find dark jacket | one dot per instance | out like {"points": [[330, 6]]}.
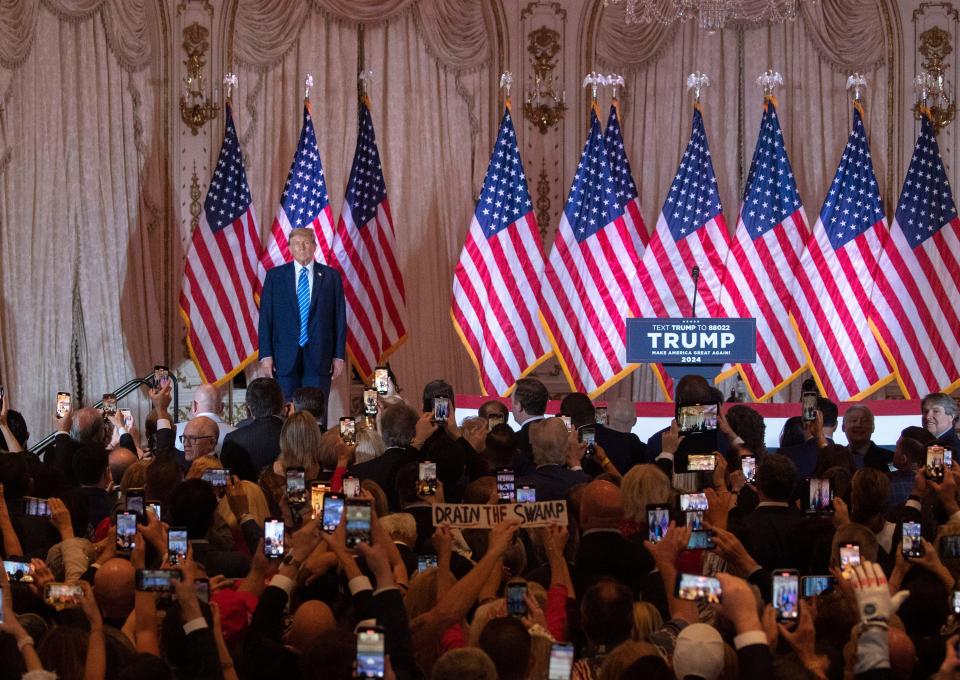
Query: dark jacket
{"points": [[553, 481], [383, 470], [249, 449]]}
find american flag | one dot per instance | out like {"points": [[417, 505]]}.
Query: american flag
{"points": [[623, 177], [494, 305], [364, 253], [691, 231], [764, 256], [835, 278], [220, 276], [916, 298], [591, 277], [304, 202]]}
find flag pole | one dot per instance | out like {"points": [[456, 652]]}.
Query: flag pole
{"points": [[856, 84], [768, 81], [615, 80], [696, 81], [594, 80], [506, 80]]}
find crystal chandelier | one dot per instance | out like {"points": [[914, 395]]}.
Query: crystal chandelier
{"points": [[711, 15]]}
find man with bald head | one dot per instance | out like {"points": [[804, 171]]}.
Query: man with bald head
{"points": [[603, 551], [114, 588], [207, 402]]}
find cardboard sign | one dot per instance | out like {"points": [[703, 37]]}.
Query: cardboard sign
{"points": [[463, 516]]}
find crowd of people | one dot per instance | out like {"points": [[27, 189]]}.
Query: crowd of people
{"points": [[146, 562]]}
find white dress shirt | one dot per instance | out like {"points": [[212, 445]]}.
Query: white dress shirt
{"points": [[297, 267]]}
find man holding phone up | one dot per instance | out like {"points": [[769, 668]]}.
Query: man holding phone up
{"points": [[303, 326]]}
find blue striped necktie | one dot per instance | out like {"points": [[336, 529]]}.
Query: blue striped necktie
{"points": [[303, 302]]}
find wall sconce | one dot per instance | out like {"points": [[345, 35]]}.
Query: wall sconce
{"points": [[196, 108], [931, 85], [543, 106]]}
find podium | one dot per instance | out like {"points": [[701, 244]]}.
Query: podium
{"points": [[692, 345]]}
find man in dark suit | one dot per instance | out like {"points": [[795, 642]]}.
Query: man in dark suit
{"points": [[624, 449], [817, 439], [939, 414], [858, 425], [303, 327], [553, 476], [528, 405], [398, 423], [254, 446]]}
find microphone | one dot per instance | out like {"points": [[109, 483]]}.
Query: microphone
{"points": [[695, 273]]}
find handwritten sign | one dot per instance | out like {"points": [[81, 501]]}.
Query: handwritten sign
{"points": [[463, 516]]}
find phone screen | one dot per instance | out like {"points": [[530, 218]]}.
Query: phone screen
{"points": [[658, 521], [567, 421], [441, 409], [820, 497], [126, 531], [20, 572], [157, 580], [161, 376], [296, 486], [358, 522], [217, 478], [527, 494], [814, 585], [273, 538], [425, 562], [427, 480], [109, 404], [950, 546], [63, 404], [348, 430], [154, 507], [36, 507], [588, 434], [935, 462], [381, 380], [202, 587], [786, 592], [561, 661], [62, 595], [700, 462], [911, 545], [700, 540], [351, 487], [317, 491], [332, 511], [693, 501], [600, 415], [808, 406], [697, 418], [695, 520], [516, 594], [135, 503], [370, 402], [849, 555], [695, 587], [176, 545], [955, 600], [506, 486], [370, 653], [748, 464]]}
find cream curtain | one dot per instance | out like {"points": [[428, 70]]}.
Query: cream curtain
{"points": [[814, 58], [81, 202]]}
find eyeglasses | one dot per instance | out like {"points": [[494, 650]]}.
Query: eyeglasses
{"points": [[190, 439]]}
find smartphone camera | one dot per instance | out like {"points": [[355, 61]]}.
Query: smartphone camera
{"points": [[62, 595], [587, 434], [849, 556], [296, 486], [911, 545], [748, 464], [819, 497], [370, 659], [63, 404], [527, 494], [950, 547], [109, 404], [317, 492], [697, 419], [600, 416], [381, 380], [516, 594], [441, 410], [701, 462], [126, 531], [217, 478], [935, 463], [358, 522], [370, 402], [506, 486], [786, 594], [658, 522], [561, 661], [427, 479], [693, 501], [332, 511], [18, 571], [161, 377], [812, 586], [808, 406], [955, 601], [694, 587], [701, 539], [351, 487], [425, 562], [157, 580], [177, 545], [273, 535], [348, 430]]}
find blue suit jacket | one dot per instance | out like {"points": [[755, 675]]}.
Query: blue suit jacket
{"points": [[280, 320]]}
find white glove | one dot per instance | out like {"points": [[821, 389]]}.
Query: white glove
{"points": [[874, 601]]}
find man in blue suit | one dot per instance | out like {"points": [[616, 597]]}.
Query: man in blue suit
{"points": [[303, 326]]}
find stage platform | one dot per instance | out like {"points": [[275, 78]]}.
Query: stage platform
{"points": [[892, 415]]}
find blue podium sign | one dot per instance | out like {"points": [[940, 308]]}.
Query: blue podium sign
{"points": [[692, 342]]}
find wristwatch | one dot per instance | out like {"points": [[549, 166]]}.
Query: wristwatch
{"points": [[291, 561]]}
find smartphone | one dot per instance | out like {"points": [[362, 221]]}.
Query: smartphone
{"points": [[348, 430], [600, 416], [516, 593], [381, 380], [955, 601], [701, 462], [332, 511], [36, 507], [693, 501], [786, 594], [63, 404], [370, 663], [19, 571], [748, 464], [811, 586], [658, 522], [527, 494], [695, 519], [217, 478], [296, 486], [493, 420], [947, 458], [950, 546], [127, 418], [701, 539], [567, 421], [157, 580], [317, 491], [427, 479], [126, 531], [441, 410], [506, 486], [351, 487], [587, 435], [561, 661], [425, 562], [819, 497], [62, 595], [176, 545], [2, 619], [935, 462], [370, 402], [911, 545], [161, 376], [808, 406], [273, 531], [694, 587], [358, 521], [154, 507], [697, 419], [849, 555], [202, 587], [135, 503], [109, 406]]}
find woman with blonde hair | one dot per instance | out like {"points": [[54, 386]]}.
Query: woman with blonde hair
{"points": [[299, 444], [643, 485]]}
